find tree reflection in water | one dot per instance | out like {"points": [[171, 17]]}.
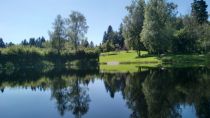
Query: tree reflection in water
{"points": [[71, 96], [160, 93], [151, 93], [69, 88]]}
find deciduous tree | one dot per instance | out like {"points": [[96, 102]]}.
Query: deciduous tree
{"points": [[57, 36], [133, 24], [76, 28], [154, 34]]}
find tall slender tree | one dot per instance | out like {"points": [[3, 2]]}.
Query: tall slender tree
{"points": [[32, 42], [109, 35], [91, 44], [109, 39], [84, 43], [2, 44], [154, 33], [76, 28], [121, 37], [24, 42], [199, 11], [104, 37], [58, 34], [133, 24]]}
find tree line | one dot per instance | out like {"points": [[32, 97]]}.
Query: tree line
{"points": [[4, 45], [39, 42], [68, 34], [112, 40], [156, 27], [67, 47]]}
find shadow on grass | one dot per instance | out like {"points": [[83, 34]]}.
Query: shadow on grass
{"points": [[128, 52], [147, 55], [109, 54]]}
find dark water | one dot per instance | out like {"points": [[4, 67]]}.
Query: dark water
{"points": [[150, 93]]}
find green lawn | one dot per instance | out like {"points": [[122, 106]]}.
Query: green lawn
{"points": [[129, 62], [127, 57], [124, 68]]}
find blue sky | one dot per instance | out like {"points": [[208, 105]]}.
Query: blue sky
{"points": [[22, 19]]}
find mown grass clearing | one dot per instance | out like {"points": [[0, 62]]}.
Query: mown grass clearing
{"points": [[123, 61], [127, 57]]}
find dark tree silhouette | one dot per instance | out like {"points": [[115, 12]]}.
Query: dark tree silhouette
{"points": [[199, 11]]}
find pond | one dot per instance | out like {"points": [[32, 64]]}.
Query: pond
{"points": [[148, 93]]}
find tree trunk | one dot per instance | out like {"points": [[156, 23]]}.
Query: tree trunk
{"points": [[139, 53]]}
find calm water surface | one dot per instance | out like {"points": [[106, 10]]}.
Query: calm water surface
{"points": [[150, 93]]}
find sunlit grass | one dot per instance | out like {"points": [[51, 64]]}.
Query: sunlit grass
{"points": [[129, 61], [127, 57], [126, 67]]}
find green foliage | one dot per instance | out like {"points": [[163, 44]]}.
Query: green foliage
{"points": [[121, 38], [199, 11], [204, 38], [2, 44], [186, 38], [24, 42], [47, 44], [17, 50], [46, 59], [9, 67], [84, 43], [133, 25], [34, 42], [57, 36], [192, 37], [154, 36], [10, 44], [76, 28], [108, 46], [185, 41], [108, 35], [68, 34], [112, 40]]}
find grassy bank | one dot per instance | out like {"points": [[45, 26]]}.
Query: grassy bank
{"points": [[127, 57], [120, 68], [33, 57], [129, 61]]}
